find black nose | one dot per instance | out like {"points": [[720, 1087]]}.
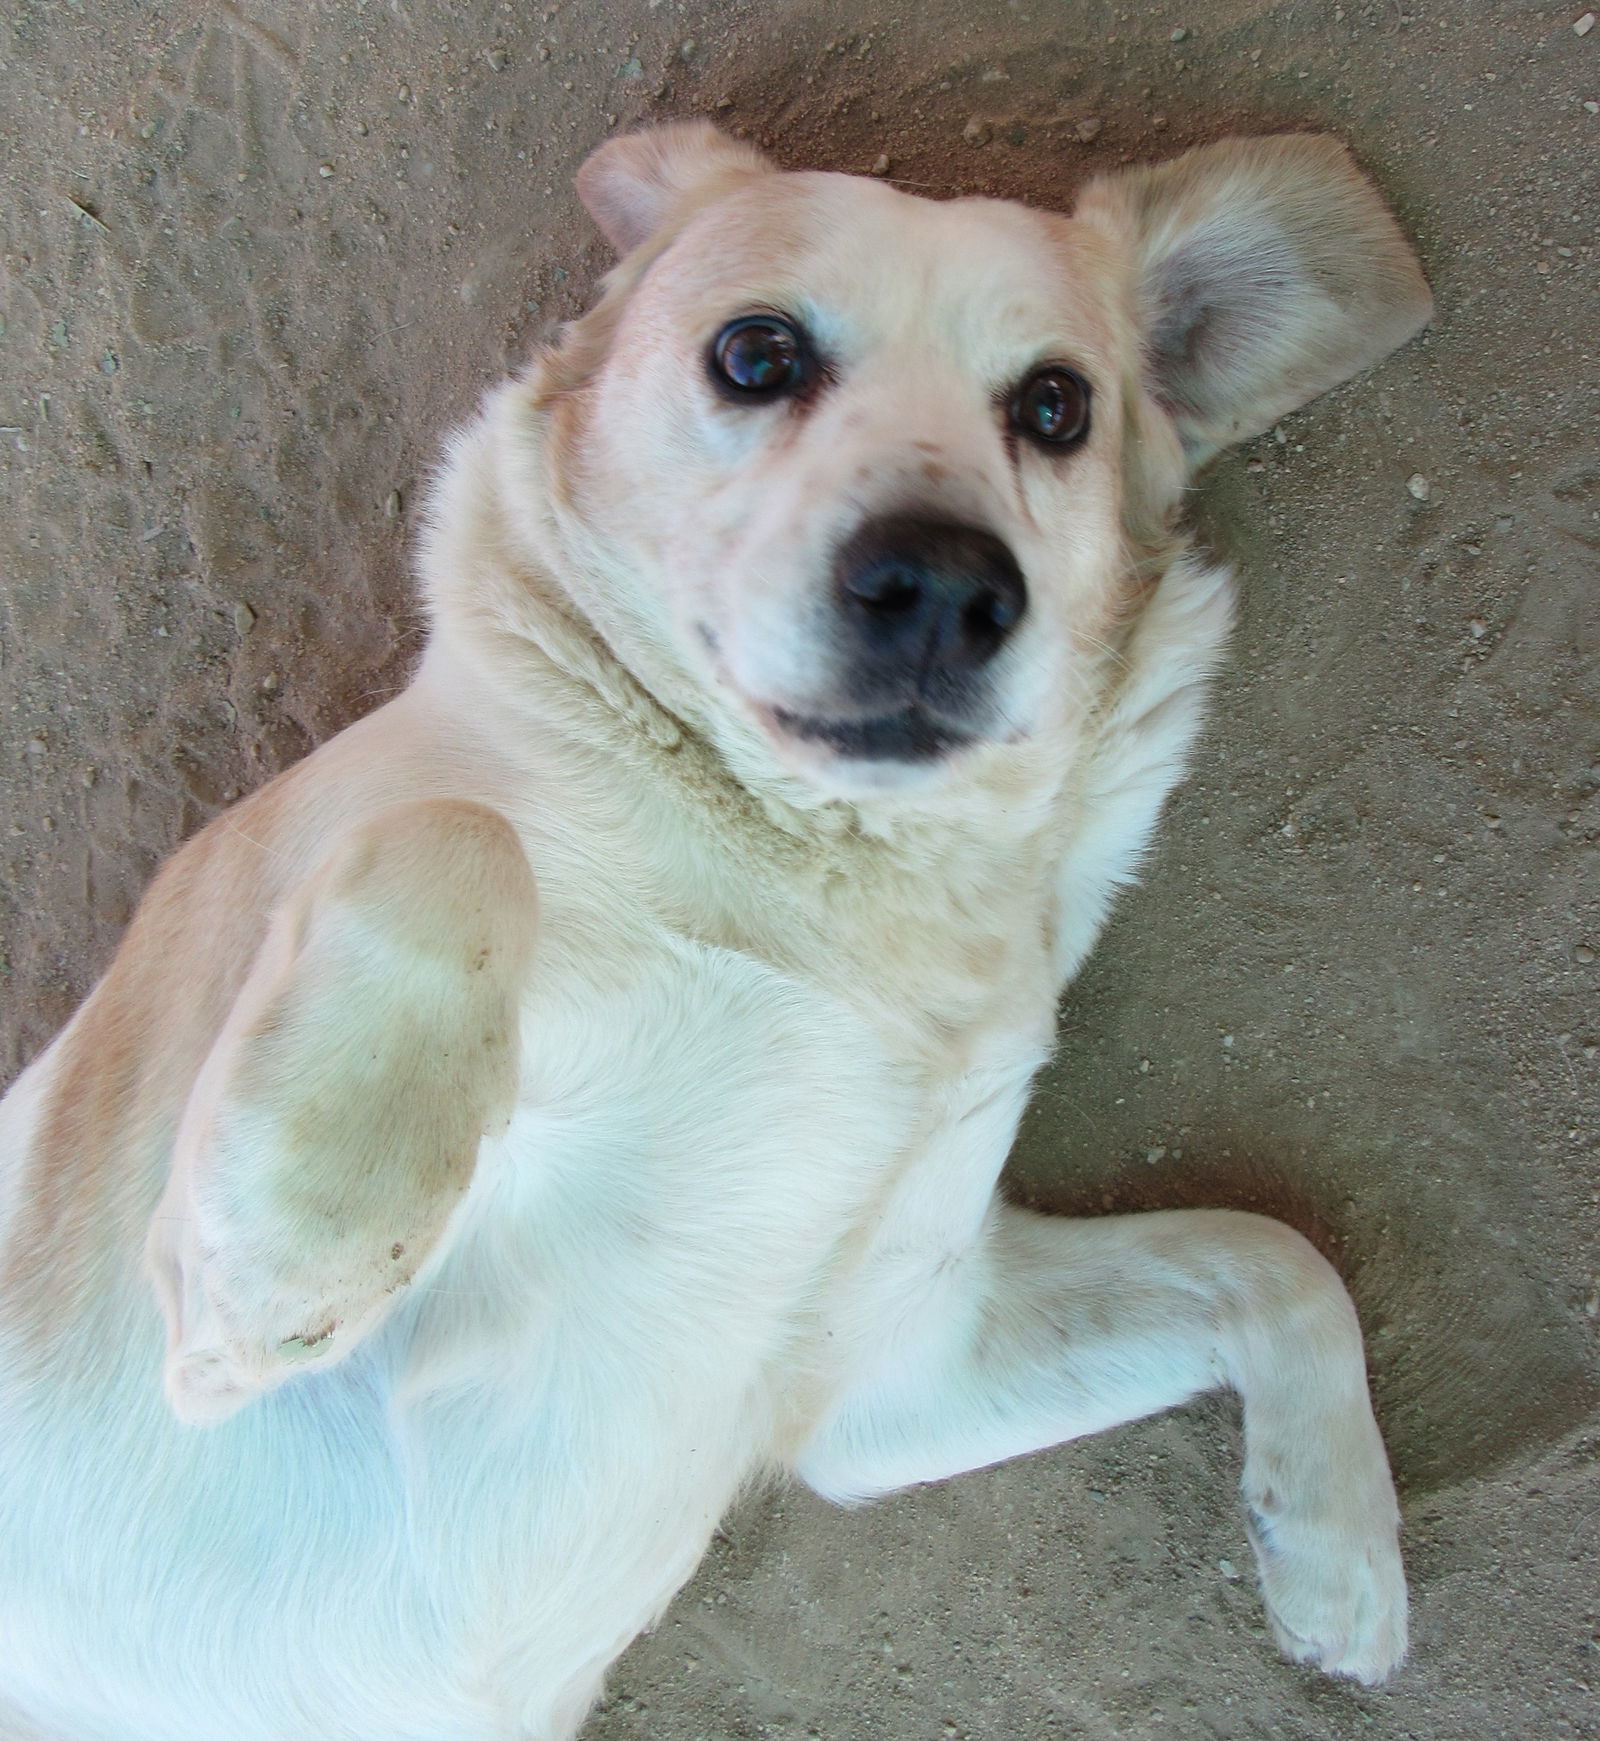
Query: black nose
{"points": [[929, 601]]}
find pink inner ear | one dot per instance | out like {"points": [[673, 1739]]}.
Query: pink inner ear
{"points": [[626, 210], [631, 186]]}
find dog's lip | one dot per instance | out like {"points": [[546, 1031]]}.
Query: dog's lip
{"points": [[908, 735]]}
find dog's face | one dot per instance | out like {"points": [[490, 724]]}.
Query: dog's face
{"points": [[883, 475], [864, 449]]}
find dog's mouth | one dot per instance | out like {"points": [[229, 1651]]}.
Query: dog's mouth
{"points": [[869, 749], [910, 735]]}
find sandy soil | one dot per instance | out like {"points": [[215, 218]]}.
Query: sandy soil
{"points": [[258, 258]]}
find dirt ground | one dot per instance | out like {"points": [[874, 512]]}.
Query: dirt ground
{"points": [[258, 258]]}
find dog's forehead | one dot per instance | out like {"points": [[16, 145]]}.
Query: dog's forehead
{"points": [[867, 265]]}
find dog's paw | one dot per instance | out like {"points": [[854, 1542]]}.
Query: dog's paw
{"points": [[1335, 1589]]}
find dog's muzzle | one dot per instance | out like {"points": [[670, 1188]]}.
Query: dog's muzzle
{"points": [[920, 610]]}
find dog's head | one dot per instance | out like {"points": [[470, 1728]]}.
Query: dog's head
{"points": [[875, 478]]}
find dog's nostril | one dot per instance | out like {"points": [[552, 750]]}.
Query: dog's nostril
{"points": [[885, 587], [995, 610]]}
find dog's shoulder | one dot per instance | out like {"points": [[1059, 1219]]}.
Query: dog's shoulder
{"points": [[87, 1131]]}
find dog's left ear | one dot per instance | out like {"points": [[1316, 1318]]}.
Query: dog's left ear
{"points": [[634, 185], [1267, 270]]}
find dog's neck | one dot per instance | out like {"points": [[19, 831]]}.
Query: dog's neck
{"points": [[807, 883]]}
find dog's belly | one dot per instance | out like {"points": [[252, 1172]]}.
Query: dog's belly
{"points": [[717, 1180], [450, 1536]]}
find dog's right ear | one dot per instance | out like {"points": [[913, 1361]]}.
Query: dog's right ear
{"points": [[633, 185], [1267, 271]]}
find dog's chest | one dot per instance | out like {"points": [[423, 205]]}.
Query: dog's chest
{"points": [[713, 1145]]}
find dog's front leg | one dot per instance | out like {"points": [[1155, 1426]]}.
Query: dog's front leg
{"points": [[1049, 1329], [336, 1123]]}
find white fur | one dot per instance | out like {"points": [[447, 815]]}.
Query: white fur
{"points": [[773, 1031]]}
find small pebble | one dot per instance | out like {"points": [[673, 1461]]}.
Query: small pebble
{"points": [[324, 170], [1593, 108], [1228, 1569], [404, 93], [244, 619], [686, 48], [1419, 486], [1582, 26], [1583, 955], [1090, 128], [497, 59], [1477, 628], [881, 164], [1179, 35], [391, 505], [977, 132]]}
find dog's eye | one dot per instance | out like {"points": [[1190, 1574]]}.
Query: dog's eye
{"points": [[1052, 407], [759, 357]]}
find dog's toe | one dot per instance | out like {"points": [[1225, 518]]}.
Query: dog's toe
{"points": [[1337, 1600]]}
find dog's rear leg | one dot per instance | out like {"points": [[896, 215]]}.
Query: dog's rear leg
{"points": [[1049, 1329], [336, 1123]]}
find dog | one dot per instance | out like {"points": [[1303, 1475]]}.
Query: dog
{"points": [[578, 1090]]}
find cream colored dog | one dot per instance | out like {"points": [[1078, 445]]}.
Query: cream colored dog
{"points": [[579, 1089]]}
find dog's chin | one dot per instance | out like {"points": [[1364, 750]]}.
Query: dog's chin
{"points": [[902, 752]]}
